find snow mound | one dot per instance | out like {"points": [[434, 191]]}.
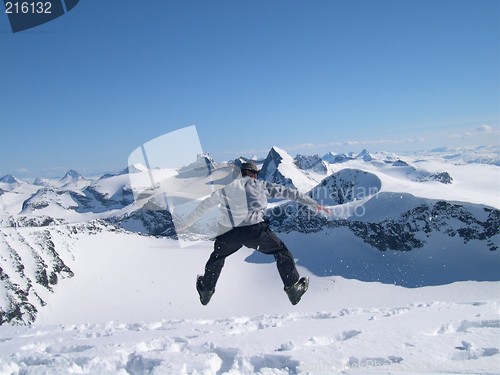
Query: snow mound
{"points": [[346, 185]]}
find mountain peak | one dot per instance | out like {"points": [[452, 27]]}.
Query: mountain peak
{"points": [[279, 167], [337, 158], [39, 181], [278, 151], [9, 179], [365, 155], [72, 174], [134, 168], [72, 179]]}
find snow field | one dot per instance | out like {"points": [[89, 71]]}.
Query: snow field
{"points": [[474, 183], [419, 338], [142, 278], [132, 308]]}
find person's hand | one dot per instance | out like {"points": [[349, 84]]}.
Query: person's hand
{"points": [[320, 208]]}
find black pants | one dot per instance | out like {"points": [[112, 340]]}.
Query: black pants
{"points": [[259, 237]]}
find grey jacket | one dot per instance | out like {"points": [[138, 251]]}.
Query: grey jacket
{"points": [[244, 201]]}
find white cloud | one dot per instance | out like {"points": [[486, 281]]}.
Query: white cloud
{"points": [[484, 128]]}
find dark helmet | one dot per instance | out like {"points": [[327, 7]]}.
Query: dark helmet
{"points": [[250, 167]]}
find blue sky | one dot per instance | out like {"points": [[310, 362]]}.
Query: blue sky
{"points": [[86, 89]]}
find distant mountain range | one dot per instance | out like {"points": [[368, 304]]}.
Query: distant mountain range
{"points": [[388, 202]]}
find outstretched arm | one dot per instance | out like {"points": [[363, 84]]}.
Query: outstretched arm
{"points": [[280, 191]]}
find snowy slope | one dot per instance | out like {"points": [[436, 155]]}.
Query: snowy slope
{"points": [[13, 195], [137, 322]]}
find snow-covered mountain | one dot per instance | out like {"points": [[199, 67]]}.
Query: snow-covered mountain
{"points": [[417, 221], [311, 163], [9, 179], [346, 185], [279, 167], [73, 180]]}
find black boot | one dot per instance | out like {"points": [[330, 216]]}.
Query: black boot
{"points": [[296, 290], [205, 295]]}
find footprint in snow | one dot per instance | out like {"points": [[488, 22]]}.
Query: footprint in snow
{"points": [[286, 346], [346, 335], [465, 325], [320, 341], [467, 351], [69, 349]]}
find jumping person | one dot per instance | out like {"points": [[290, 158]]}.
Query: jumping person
{"points": [[250, 230]]}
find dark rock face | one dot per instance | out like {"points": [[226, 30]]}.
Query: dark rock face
{"points": [[407, 232], [147, 220], [346, 185], [270, 172], [313, 163], [22, 297]]}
